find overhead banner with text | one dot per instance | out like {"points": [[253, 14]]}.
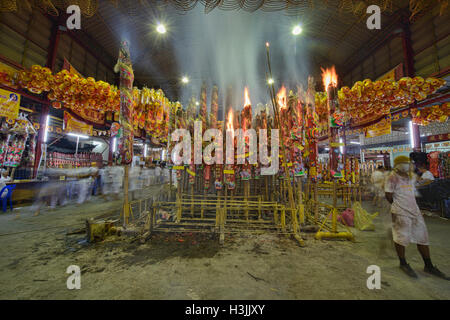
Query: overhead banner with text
{"points": [[4, 68], [394, 74], [93, 116], [73, 125], [9, 104], [380, 128]]}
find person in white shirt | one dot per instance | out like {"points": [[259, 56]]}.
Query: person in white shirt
{"points": [[426, 176], [377, 180], [3, 179], [158, 174], [408, 225]]}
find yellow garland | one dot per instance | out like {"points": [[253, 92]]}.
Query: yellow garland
{"points": [[436, 113], [151, 107], [367, 100]]}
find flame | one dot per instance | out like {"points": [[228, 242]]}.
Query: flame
{"points": [[329, 77], [230, 121], [281, 98], [247, 101]]}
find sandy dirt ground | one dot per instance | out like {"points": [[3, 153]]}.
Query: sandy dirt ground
{"points": [[35, 253]]}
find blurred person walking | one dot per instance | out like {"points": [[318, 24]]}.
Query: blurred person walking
{"points": [[408, 225]]}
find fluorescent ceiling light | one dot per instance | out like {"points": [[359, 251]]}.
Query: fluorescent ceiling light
{"points": [[46, 128], [411, 135], [77, 135], [114, 144]]}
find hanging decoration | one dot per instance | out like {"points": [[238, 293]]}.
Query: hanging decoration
{"points": [[367, 100], [125, 68], [436, 113], [91, 99]]}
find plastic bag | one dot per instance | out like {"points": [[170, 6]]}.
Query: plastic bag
{"points": [[363, 220], [347, 217]]}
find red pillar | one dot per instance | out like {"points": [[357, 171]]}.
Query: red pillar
{"points": [[40, 139], [53, 47], [408, 53], [110, 153], [408, 58], [51, 59]]}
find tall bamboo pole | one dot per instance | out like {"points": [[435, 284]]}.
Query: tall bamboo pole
{"points": [[278, 124], [125, 68]]}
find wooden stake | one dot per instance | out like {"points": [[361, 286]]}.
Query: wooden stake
{"points": [[316, 205], [170, 184], [126, 203]]}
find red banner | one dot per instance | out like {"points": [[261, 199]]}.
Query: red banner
{"points": [[91, 115], [67, 66], [439, 137]]}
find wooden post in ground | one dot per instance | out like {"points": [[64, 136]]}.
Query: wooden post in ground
{"points": [[266, 182], [246, 194], [192, 199], [316, 204], [126, 203], [259, 207], [334, 193], [300, 201], [170, 184], [334, 212]]}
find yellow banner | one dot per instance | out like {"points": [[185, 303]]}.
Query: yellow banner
{"points": [[7, 69], [190, 172], [380, 128], [9, 104], [336, 144], [178, 168], [76, 126], [388, 76], [228, 171]]}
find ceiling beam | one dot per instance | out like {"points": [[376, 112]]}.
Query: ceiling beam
{"points": [[368, 48]]}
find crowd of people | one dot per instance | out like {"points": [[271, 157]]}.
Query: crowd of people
{"points": [[76, 186]]}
